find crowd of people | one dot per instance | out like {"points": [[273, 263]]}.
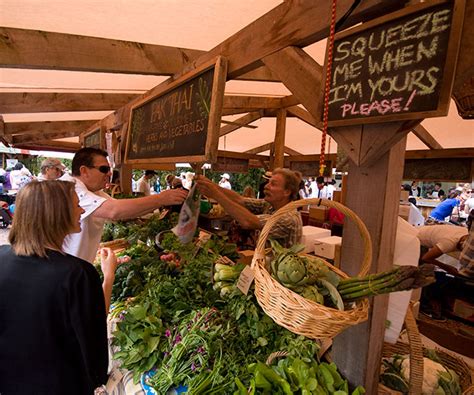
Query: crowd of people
{"points": [[52, 302]]}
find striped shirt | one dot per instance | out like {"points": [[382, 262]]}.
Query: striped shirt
{"points": [[287, 231], [467, 256]]}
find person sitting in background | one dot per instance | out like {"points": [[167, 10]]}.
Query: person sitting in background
{"points": [[53, 309], [445, 208], [441, 239], [51, 169], [437, 192], [143, 183], [281, 189]]}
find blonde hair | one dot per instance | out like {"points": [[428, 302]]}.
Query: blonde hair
{"points": [[43, 217], [292, 181]]}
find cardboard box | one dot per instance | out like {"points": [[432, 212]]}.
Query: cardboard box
{"points": [[319, 213], [245, 256], [404, 211], [327, 246], [337, 196], [310, 234], [404, 196]]}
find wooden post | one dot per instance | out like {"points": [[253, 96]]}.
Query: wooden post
{"points": [[373, 192], [126, 179], [279, 146]]}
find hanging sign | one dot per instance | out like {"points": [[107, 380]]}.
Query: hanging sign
{"points": [[232, 165], [180, 120], [93, 139], [397, 67]]}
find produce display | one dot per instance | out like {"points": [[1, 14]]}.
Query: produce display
{"points": [[182, 320], [311, 278], [437, 379]]}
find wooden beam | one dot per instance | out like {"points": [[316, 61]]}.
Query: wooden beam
{"points": [[16, 103], [444, 153], [357, 350], [294, 22], [241, 155], [289, 101], [262, 148], [252, 102], [365, 144], [290, 151], [305, 116], [6, 140], [35, 49], [279, 146], [63, 146], [238, 124], [15, 128], [301, 74], [426, 137], [245, 120], [36, 137], [300, 23]]}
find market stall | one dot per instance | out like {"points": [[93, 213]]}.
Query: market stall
{"points": [[375, 146]]}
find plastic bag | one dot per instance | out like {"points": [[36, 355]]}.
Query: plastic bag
{"points": [[188, 216]]}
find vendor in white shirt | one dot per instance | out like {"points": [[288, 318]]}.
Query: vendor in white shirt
{"points": [[91, 172], [439, 240], [143, 183], [321, 190]]}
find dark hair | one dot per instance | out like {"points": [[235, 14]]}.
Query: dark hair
{"points": [[454, 194], [18, 166], [407, 187], [320, 180], [85, 157], [150, 172], [438, 183]]}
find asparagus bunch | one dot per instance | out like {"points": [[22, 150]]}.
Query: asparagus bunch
{"points": [[400, 278]]}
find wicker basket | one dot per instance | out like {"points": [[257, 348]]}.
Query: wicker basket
{"points": [[416, 351], [291, 310]]}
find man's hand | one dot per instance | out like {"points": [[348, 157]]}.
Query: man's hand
{"points": [[108, 263], [172, 197], [206, 186]]}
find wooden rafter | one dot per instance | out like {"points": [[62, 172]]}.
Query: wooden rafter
{"points": [[238, 124], [32, 138], [253, 102], [301, 74], [40, 128], [11, 103], [300, 23], [34, 49], [262, 148], [305, 116], [245, 120], [291, 151], [426, 137], [51, 145]]}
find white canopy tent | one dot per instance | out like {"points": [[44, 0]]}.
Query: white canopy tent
{"points": [[194, 24]]}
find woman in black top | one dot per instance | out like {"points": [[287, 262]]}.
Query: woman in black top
{"points": [[53, 337]]}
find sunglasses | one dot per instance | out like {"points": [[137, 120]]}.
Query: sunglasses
{"points": [[103, 169]]}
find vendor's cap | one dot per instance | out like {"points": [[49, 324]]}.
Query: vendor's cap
{"points": [[225, 175], [267, 175]]}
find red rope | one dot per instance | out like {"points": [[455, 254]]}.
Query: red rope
{"points": [[332, 32]]}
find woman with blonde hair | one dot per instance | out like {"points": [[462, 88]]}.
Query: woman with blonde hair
{"points": [[53, 337]]}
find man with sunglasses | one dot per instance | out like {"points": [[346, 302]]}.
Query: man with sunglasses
{"points": [[91, 171]]}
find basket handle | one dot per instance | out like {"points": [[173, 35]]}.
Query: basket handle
{"points": [[416, 352], [367, 259]]}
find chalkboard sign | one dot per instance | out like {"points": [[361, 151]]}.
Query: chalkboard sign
{"points": [[439, 169], [93, 139], [179, 121], [397, 67], [232, 165]]}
